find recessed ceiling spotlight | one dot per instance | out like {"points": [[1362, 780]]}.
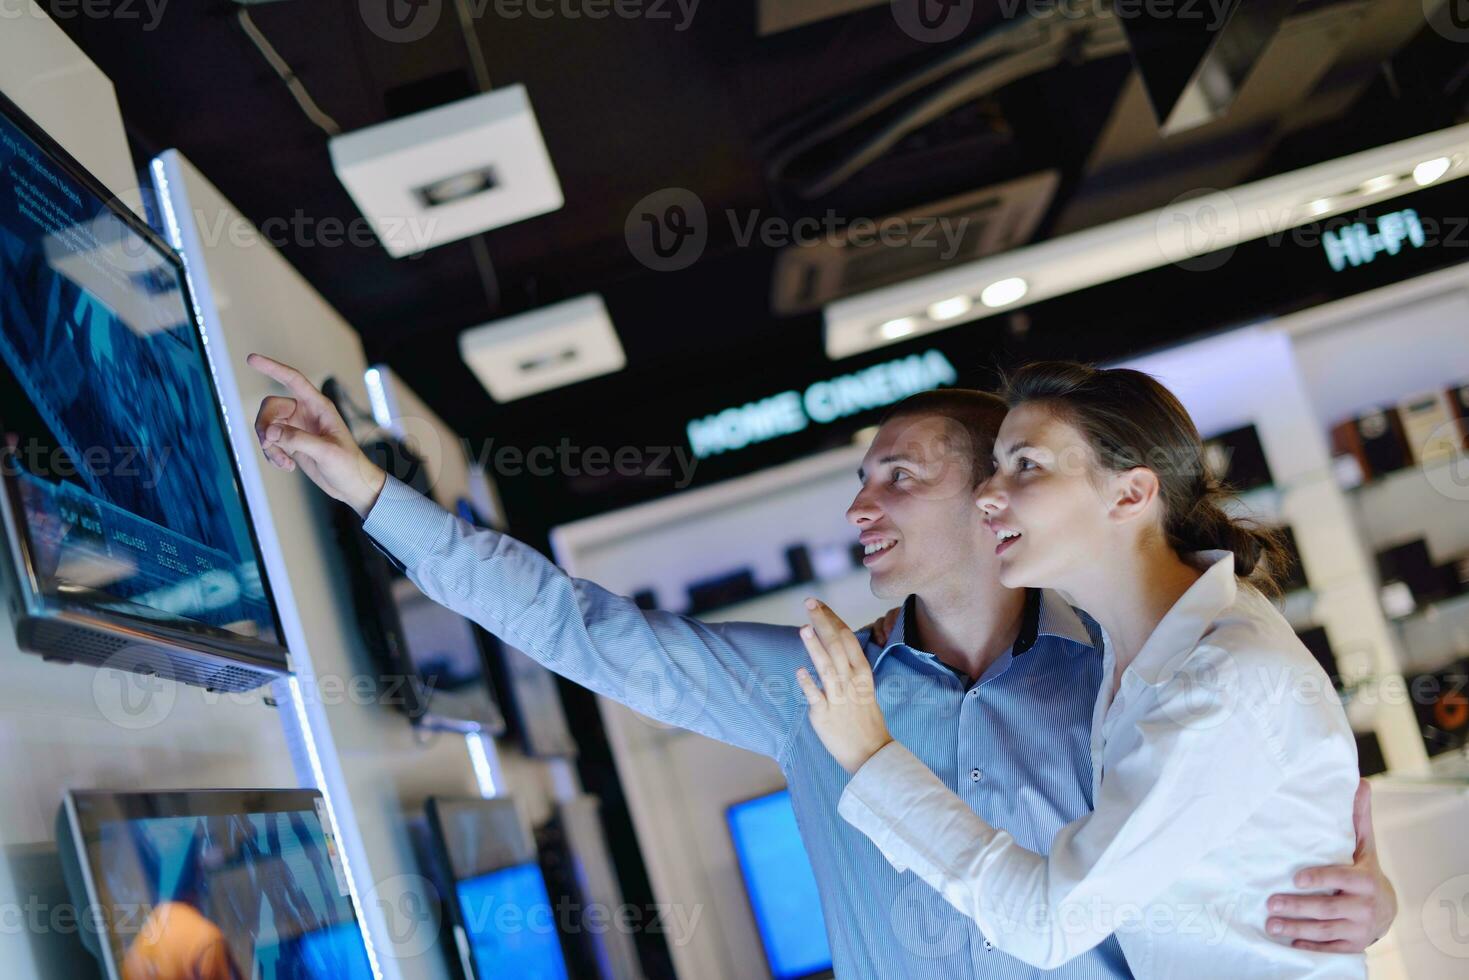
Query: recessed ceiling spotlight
{"points": [[1430, 170], [1003, 292], [948, 309], [896, 329], [1377, 185]]}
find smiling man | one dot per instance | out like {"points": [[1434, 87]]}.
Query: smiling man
{"points": [[991, 688]]}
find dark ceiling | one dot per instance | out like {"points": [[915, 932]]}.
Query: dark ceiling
{"points": [[631, 106]]}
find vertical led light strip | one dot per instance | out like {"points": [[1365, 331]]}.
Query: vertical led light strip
{"points": [[377, 396], [318, 776], [485, 770], [201, 298]]}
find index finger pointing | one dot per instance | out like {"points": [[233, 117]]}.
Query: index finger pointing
{"points": [[297, 382]]}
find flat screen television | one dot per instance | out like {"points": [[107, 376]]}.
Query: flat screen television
{"points": [[503, 919], [211, 883], [781, 886], [434, 663], [130, 541]]}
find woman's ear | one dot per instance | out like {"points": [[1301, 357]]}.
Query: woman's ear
{"points": [[1133, 493]]}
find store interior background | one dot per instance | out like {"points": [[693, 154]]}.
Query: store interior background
{"points": [[1261, 332]]}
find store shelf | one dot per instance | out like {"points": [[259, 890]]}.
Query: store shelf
{"points": [[1409, 473], [1448, 769], [1442, 609]]}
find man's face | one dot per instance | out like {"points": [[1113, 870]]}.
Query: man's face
{"points": [[916, 509]]}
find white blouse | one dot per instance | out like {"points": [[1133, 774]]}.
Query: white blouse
{"points": [[1223, 766]]}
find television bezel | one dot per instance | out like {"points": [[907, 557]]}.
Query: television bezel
{"points": [[264, 659], [84, 824]]}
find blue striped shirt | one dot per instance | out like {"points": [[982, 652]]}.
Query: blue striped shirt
{"points": [[1016, 744]]}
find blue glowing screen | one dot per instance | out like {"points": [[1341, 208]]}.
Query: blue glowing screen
{"points": [[108, 419], [781, 885], [243, 896], [511, 925]]}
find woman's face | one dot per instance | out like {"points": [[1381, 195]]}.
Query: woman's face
{"points": [[1044, 503]]}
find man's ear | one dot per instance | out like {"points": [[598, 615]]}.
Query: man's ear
{"points": [[1132, 493]]}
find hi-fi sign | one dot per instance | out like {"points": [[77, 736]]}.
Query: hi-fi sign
{"points": [[1358, 244]]}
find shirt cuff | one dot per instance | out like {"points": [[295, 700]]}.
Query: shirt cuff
{"points": [[404, 522]]}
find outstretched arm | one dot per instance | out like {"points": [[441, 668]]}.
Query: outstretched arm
{"points": [[730, 681]]}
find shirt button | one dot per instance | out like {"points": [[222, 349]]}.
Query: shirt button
{"points": [[976, 775], [989, 947]]}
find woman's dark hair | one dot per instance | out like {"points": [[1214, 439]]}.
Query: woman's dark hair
{"points": [[1131, 420], [978, 415]]}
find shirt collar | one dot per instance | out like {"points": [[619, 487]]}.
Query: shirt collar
{"points": [[1180, 630], [1046, 614]]}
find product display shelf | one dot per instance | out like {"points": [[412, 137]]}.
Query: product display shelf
{"points": [[1435, 635], [1416, 328]]}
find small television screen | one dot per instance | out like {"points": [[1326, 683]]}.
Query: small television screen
{"points": [[435, 663], [504, 921], [509, 923], [215, 883], [127, 522], [781, 886]]}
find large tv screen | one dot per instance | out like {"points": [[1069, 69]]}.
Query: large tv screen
{"points": [[781, 886], [128, 522], [215, 883]]}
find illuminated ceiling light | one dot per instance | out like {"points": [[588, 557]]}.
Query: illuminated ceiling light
{"points": [[1377, 185], [1430, 170], [1004, 292], [1318, 207], [948, 309], [896, 329]]}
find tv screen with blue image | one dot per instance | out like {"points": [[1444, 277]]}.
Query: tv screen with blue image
{"points": [[781, 886], [111, 438], [219, 885], [510, 924]]}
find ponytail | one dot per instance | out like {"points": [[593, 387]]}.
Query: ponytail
{"points": [[1259, 551]]}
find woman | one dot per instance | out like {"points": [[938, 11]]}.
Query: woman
{"points": [[1222, 760]]}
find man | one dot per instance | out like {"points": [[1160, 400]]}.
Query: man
{"points": [[992, 688]]}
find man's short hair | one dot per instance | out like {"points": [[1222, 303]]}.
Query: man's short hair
{"points": [[977, 413]]}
